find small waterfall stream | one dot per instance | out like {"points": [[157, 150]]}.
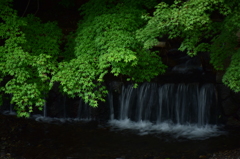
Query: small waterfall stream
{"points": [[190, 109], [180, 103], [84, 111], [110, 99], [183, 110], [45, 110], [11, 107]]}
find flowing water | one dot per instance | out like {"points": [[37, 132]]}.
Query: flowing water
{"points": [[166, 121], [182, 110], [179, 110]]}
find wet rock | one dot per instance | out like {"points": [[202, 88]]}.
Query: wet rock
{"points": [[223, 91], [229, 107], [227, 154], [93, 124], [116, 86], [238, 114], [236, 97], [5, 156], [219, 76], [2, 153], [233, 122]]}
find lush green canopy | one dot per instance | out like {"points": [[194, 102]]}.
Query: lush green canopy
{"points": [[194, 22], [113, 37]]}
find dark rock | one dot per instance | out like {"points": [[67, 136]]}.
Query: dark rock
{"points": [[116, 86], [219, 76], [93, 124], [223, 91], [238, 114], [236, 97], [229, 107]]}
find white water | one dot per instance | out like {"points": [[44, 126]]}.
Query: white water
{"points": [[181, 110], [9, 112], [189, 131], [41, 118]]}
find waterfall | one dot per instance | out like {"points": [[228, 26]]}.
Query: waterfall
{"points": [[146, 98], [84, 110], [64, 107], [168, 107], [180, 103], [206, 95], [45, 109], [110, 99], [11, 106], [126, 99], [7, 108], [79, 108]]}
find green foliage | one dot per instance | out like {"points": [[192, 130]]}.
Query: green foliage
{"points": [[232, 75], [193, 21], [188, 20], [113, 37], [28, 58], [105, 42], [42, 38]]}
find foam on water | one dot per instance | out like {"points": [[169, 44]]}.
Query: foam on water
{"points": [[9, 113], [41, 118], [188, 131]]}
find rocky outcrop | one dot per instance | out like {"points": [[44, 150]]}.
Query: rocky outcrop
{"points": [[230, 104]]}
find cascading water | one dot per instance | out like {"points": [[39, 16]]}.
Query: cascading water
{"points": [[84, 111], [126, 99], [110, 99], [45, 109], [11, 106], [64, 107], [68, 113], [183, 110], [186, 110]]}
